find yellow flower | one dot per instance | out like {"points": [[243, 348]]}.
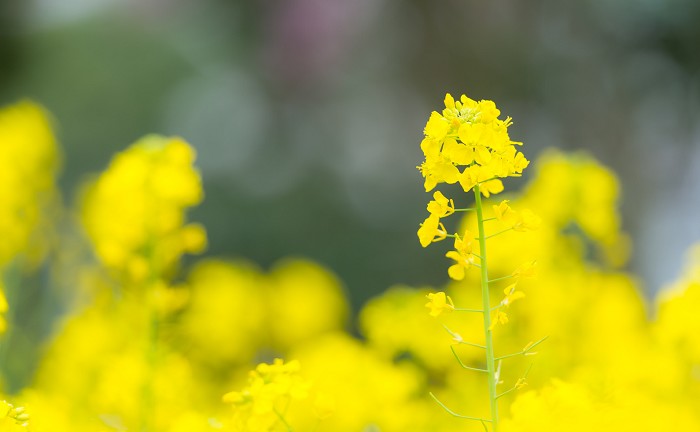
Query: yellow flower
{"points": [[469, 134], [526, 270], [441, 206], [511, 295], [431, 230], [483, 176], [527, 221], [437, 127], [462, 256], [29, 161], [500, 318], [438, 169], [519, 221], [134, 213], [504, 213], [269, 389], [439, 303]]}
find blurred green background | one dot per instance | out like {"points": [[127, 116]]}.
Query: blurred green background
{"points": [[307, 114]]}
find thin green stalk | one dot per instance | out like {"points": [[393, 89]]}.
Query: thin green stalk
{"points": [[490, 358], [281, 418], [148, 395]]}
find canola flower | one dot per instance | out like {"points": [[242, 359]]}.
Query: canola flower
{"points": [[468, 144], [29, 162], [134, 213], [264, 404]]}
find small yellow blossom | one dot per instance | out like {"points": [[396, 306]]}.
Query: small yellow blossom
{"points": [[462, 255], [504, 213], [441, 206], [527, 221], [431, 230], [439, 303], [269, 390], [511, 295], [526, 270], [500, 318]]}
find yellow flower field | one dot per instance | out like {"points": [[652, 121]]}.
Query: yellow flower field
{"points": [[539, 328]]}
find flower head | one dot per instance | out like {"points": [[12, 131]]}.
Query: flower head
{"points": [[511, 295], [441, 206], [470, 144], [439, 303], [462, 255], [500, 318], [431, 230], [527, 270]]}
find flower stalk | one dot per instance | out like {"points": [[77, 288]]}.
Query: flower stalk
{"points": [[485, 298], [469, 145]]}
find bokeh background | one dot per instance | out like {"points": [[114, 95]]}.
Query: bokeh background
{"points": [[307, 114]]}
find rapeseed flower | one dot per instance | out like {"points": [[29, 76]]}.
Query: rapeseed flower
{"points": [[462, 255], [439, 303], [29, 162], [134, 213], [469, 135]]}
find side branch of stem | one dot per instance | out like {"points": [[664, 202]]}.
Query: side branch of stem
{"points": [[449, 411], [462, 364]]}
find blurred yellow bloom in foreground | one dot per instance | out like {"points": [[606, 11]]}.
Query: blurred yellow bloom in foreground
{"points": [[134, 213]]}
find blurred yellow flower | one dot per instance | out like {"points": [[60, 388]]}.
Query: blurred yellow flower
{"points": [[511, 295], [134, 213], [500, 318], [527, 270], [29, 162], [266, 398]]}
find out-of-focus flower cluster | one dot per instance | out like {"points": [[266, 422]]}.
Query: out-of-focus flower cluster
{"points": [[149, 345], [29, 162]]}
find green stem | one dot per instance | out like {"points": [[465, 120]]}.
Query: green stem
{"points": [[481, 235], [500, 278], [153, 322], [468, 310], [490, 358], [281, 418], [449, 411]]}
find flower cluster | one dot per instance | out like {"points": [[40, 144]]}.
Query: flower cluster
{"points": [[469, 144], [134, 213], [29, 161], [264, 401]]}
